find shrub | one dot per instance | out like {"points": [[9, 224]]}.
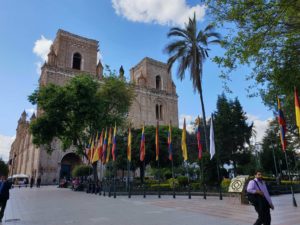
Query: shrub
{"points": [[225, 184], [82, 170], [195, 186], [167, 175], [162, 186], [183, 181], [172, 182]]}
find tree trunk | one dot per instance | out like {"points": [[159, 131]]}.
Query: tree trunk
{"points": [[204, 118]]}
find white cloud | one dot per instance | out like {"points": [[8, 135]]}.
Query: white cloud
{"points": [[5, 144], [30, 112], [41, 49], [166, 12], [260, 126], [188, 120]]}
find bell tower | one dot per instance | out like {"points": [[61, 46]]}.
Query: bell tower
{"points": [[69, 56]]}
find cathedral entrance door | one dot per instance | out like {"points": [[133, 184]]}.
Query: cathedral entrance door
{"points": [[65, 171], [68, 162]]}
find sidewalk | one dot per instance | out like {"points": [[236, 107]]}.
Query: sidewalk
{"points": [[53, 206]]}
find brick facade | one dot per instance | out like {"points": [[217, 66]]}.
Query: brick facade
{"points": [[70, 54]]}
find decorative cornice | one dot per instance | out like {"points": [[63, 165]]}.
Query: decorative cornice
{"points": [[64, 33]]}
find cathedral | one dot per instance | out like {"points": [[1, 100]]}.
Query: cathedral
{"points": [[70, 55]]}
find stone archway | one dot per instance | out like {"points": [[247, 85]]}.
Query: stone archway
{"points": [[68, 162]]}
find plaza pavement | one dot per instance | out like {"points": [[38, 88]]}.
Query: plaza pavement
{"points": [[53, 206]]}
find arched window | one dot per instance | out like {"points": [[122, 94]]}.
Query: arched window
{"points": [[158, 82], [76, 61], [159, 112]]}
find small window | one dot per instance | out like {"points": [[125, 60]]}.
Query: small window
{"points": [[157, 112], [76, 61], [160, 112], [158, 83]]}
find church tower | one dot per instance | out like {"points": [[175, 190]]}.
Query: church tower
{"points": [[70, 55], [156, 98]]}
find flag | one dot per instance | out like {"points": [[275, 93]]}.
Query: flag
{"points": [[88, 149], [157, 142], [92, 150], [108, 145], [170, 142], [183, 142], [199, 139], [96, 156], [282, 126], [129, 145], [212, 149], [114, 147], [104, 147], [297, 109], [143, 146]]}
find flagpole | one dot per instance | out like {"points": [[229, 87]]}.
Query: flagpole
{"points": [[101, 178], [202, 176], [188, 176], [287, 166], [158, 178], [109, 180], [104, 182], [173, 178], [144, 189], [219, 181], [115, 174], [128, 181]]}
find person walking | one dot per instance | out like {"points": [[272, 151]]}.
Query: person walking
{"points": [[31, 182], [260, 198], [38, 182], [5, 185]]}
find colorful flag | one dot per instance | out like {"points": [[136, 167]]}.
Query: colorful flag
{"points": [[92, 150], [183, 142], [297, 109], [108, 145], [212, 149], [104, 147], [157, 142], [143, 146], [129, 145], [114, 147], [282, 126], [88, 149], [170, 142], [98, 150], [199, 139], [100, 145]]}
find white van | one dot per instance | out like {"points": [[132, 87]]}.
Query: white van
{"points": [[19, 180]]}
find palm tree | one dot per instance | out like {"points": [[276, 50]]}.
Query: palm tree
{"points": [[191, 50]]}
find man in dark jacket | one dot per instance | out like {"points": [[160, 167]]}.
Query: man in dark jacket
{"points": [[5, 185]]}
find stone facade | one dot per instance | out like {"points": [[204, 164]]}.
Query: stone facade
{"points": [[70, 55]]}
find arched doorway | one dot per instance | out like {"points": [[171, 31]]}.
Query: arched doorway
{"points": [[68, 162]]}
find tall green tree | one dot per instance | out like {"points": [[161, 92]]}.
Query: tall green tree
{"points": [[232, 132], [75, 112], [271, 143], [263, 35], [3, 168], [190, 49]]}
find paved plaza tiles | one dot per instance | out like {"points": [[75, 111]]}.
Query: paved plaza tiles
{"points": [[53, 206]]}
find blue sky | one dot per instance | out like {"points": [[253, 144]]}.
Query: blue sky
{"points": [[127, 31]]}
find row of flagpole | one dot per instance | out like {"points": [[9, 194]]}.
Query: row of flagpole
{"points": [[283, 130], [100, 150]]}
